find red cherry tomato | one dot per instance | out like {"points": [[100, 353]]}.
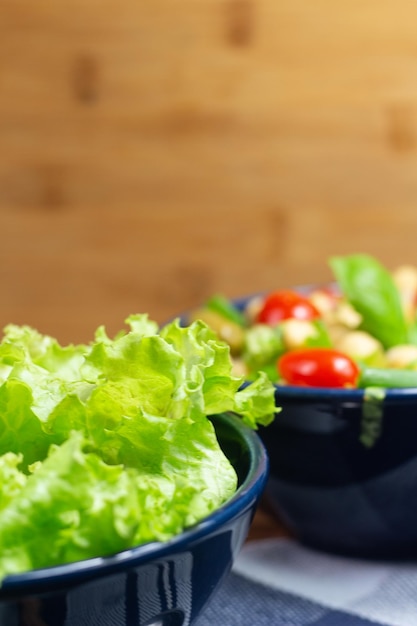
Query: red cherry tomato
{"points": [[286, 304], [318, 367]]}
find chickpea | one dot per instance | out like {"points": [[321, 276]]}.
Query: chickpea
{"points": [[361, 346], [295, 333], [402, 356], [405, 278], [252, 308]]}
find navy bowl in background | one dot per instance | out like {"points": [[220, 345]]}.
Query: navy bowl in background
{"points": [[157, 584], [331, 490]]}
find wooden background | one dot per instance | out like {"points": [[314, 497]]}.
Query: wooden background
{"points": [[153, 152]]}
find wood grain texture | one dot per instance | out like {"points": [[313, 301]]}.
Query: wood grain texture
{"points": [[153, 152]]}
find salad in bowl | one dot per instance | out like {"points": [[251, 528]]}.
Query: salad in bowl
{"points": [[342, 357], [359, 331], [109, 445]]}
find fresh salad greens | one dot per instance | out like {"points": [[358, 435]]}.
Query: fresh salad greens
{"points": [[372, 292], [360, 331], [108, 445]]}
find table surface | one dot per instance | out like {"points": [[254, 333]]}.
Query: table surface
{"points": [[266, 524]]}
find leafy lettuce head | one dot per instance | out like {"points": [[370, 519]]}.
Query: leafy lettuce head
{"points": [[108, 445]]}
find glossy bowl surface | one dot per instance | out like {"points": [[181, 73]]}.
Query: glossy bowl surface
{"points": [[157, 584], [331, 490], [334, 492]]}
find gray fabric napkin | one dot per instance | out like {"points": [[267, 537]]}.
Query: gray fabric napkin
{"points": [[278, 582]]}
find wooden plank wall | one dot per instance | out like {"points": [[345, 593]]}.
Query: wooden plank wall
{"points": [[155, 151]]}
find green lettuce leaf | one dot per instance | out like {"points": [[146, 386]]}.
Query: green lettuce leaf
{"points": [[109, 445]]}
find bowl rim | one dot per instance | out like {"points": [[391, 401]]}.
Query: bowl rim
{"points": [[244, 498], [315, 393]]}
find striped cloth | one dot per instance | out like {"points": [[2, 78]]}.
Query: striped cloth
{"points": [[278, 582]]}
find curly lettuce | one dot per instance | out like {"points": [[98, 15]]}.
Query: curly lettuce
{"points": [[108, 445]]}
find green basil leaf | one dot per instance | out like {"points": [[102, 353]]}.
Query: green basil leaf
{"points": [[370, 289]]}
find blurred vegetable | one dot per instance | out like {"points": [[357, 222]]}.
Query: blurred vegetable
{"points": [[402, 356], [405, 278], [225, 329], [371, 290], [362, 347], [295, 333], [369, 315], [221, 305], [286, 304], [318, 367], [263, 344], [372, 415], [387, 377]]}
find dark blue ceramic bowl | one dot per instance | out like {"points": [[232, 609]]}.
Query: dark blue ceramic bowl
{"points": [[158, 584], [332, 491]]}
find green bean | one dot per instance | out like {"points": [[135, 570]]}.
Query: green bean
{"points": [[389, 378]]}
